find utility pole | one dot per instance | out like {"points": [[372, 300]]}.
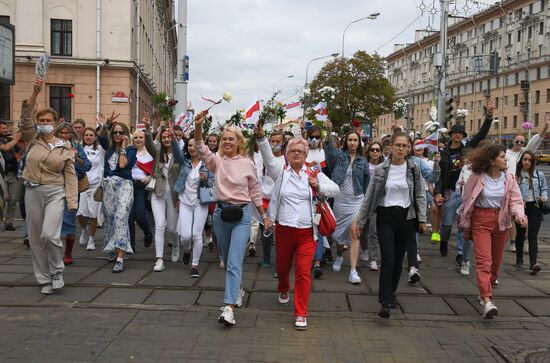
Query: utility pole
{"points": [[409, 111], [181, 81], [441, 63]]}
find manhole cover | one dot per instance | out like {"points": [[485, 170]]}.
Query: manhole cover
{"points": [[517, 354]]}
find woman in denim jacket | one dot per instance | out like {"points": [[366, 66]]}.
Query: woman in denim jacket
{"points": [[350, 171], [534, 190], [192, 213]]}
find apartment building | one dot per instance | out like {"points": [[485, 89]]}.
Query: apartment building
{"points": [[105, 55], [514, 33]]}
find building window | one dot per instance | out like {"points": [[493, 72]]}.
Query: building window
{"points": [[516, 99], [517, 78], [509, 39], [538, 73], [505, 122], [471, 125], [519, 35], [515, 122], [547, 95], [496, 102], [536, 120], [541, 28], [537, 97], [4, 102], [505, 100], [62, 37], [60, 101], [478, 123], [529, 32]]}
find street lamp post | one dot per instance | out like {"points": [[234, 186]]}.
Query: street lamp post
{"points": [[280, 80], [528, 79], [370, 17], [334, 55]]}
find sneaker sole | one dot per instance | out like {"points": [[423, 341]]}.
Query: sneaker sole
{"points": [[355, 283], [300, 327], [221, 320], [194, 276], [535, 270], [490, 314]]}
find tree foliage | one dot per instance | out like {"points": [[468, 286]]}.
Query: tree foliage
{"points": [[361, 90]]}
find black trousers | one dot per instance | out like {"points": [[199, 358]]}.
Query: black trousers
{"points": [[534, 217], [394, 233]]}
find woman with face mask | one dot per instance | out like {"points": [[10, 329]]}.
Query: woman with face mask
{"points": [[164, 197], [50, 181], [65, 131], [88, 208]]}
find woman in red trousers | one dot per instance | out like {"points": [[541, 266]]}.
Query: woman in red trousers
{"points": [[491, 197], [292, 209]]}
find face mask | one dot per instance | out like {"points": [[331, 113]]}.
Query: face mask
{"points": [[276, 148], [313, 143], [44, 129]]}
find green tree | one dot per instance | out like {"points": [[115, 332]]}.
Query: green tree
{"points": [[361, 90]]}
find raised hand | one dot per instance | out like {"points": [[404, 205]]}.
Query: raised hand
{"points": [[199, 119], [259, 131], [112, 118], [490, 106], [100, 118], [146, 120], [38, 84]]}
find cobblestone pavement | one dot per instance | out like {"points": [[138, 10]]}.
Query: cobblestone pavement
{"points": [[146, 316]]}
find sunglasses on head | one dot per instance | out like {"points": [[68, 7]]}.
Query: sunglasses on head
{"points": [[375, 150], [519, 142], [121, 133]]}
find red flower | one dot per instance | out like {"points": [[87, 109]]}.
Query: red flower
{"points": [[70, 95], [356, 123]]}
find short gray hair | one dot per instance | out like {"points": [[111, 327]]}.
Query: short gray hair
{"points": [[297, 140]]}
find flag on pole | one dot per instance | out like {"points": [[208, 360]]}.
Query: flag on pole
{"points": [[322, 111], [431, 142], [288, 106], [253, 113], [182, 119]]}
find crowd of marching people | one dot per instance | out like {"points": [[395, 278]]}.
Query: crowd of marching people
{"points": [[307, 194]]}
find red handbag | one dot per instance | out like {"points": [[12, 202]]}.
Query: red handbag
{"points": [[327, 222]]}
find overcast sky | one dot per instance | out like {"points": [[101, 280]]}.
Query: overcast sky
{"points": [[245, 46]]}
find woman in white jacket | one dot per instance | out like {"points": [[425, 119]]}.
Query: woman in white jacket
{"points": [[292, 208]]}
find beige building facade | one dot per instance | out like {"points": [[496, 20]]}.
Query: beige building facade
{"points": [[95, 65], [516, 33]]}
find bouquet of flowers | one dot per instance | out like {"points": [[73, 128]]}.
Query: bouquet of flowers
{"points": [[165, 105], [399, 108], [461, 115]]}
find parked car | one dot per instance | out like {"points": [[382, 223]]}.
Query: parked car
{"points": [[542, 156]]}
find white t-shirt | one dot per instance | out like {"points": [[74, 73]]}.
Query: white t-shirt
{"points": [[317, 155], [96, 157], [189, 195], [492, 194], [397, 188], [371, 169], [512, 158], [267, 184], [137, 173]]}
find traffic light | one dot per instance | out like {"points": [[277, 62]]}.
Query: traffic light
{"points": [[449, 110]]}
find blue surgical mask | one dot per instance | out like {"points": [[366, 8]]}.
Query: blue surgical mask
{"points": [[276, 148], [44, 129]]}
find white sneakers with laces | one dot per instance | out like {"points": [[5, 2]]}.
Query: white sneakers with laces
{"points": [[354, 278], [91, 244], [159, 265], [239, 301], [337, 264], [489, 310], [175, 251], [465, 268], [300, 323], [226, 317], [414, 276], [373, 266], [84, 236]]}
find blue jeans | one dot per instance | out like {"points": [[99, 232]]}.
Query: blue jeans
{"points": [[463, 247], [266, 245], [232, 241], [319, 250], [450, 207], [138, 213]]}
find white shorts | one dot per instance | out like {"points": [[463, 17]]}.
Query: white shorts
{"points": [[87, 206]]}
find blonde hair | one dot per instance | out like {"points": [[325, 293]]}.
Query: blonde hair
{"points": [[43, 111], [240, 140], [135, 133]]}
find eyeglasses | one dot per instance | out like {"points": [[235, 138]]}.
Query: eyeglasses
{"points": [[295, 151], [315, 137], [401, 146], [519, 142], [374, 150], [121, 133]]}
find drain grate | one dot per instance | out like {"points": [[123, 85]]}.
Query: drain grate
{"points": [[523, 354]]}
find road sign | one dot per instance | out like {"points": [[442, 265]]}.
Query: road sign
{"points": [[7, 54]]}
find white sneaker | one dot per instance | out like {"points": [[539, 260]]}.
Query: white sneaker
{"points": [[465, 269], [337, 264], [57, 281], [512, 247], [284, 297], [226, 317], [239, 301], [414, 276], [91, 244], [47, 290], [373, 266], [84, 236], [175, 251], [300, 323], [159, 265], [364, 255], [354, 277], [418, 258], [489, 310]]}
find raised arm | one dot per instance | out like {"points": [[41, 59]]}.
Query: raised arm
{"points": [[484, 130], [26, 125], [210, 159], [270, 163]]}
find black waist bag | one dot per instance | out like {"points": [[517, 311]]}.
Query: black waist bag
{"points": [[231, 213]]}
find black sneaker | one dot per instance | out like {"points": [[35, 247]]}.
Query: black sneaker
{"points": [[443, 248], [535, 269], [148, 240], [27, 243], [317, 272], [194, 272], [459, 259], [9, 227], [186, 257], [251, 250], [384, 311]]}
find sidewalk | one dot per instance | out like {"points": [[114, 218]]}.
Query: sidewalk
{"points": [[141, 315]]}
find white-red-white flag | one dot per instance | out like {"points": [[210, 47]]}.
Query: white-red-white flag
{"points": [[253, 112], [288, 106], [322, 111], [431, 142], [182, 119]]}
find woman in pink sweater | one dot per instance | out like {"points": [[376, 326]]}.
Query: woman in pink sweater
{"points": [[491, 197], [236, 186]]}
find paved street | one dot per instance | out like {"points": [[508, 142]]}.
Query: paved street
{"points": [[145, 316]]}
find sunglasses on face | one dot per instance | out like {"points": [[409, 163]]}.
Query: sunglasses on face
{"points": [[315, 137], [519, 142], [374, 150], [120, 133]]}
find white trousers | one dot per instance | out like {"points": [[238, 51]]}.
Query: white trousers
{"points": [[191, 224], [166, 219]]}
